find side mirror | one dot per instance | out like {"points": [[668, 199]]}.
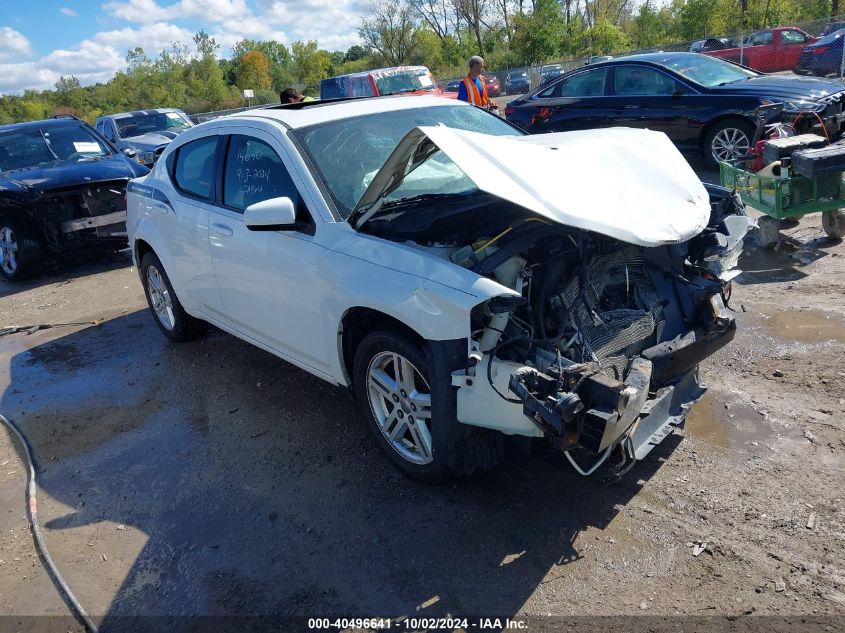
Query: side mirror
{"points": [[130, 152], [274, 214]]}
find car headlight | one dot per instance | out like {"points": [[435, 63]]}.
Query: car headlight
{"points": [[145, 158], [794, 107]]}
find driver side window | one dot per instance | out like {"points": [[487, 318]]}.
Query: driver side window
{"points": [[254, 172], [761, 39]]}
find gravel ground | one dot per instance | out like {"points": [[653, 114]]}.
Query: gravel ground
{"points": [[213, 478]]}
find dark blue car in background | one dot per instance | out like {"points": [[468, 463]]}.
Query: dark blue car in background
{"points": [[62, 188], [823, 57], [701, 103]]}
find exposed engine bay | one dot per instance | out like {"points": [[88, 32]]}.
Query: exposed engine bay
{"points": [[73, 216], [598, 343]]}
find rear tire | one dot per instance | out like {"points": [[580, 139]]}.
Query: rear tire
{"points": [[168, 313], [391, 379], [20, 250]]}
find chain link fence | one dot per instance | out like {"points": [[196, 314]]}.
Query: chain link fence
{"points": [[202, 117]]}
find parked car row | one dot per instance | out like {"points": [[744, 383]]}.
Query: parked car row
{"points": [[703, 104]]}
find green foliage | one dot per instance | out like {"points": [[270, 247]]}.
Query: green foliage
{"points": [[538, 36], [254, 71]]}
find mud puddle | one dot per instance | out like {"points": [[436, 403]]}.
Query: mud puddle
{"points": [[805, 326], [721, 422]]}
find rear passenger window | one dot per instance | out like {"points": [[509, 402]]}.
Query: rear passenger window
{"points": [[254, 172], [194, 168]]}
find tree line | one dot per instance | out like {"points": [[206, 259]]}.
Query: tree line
{"points": [[441, 34]]}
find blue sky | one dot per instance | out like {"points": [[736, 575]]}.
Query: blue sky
{"points": [[40, 40]]}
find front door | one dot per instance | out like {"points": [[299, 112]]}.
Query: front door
{"points": [[270, 281]]}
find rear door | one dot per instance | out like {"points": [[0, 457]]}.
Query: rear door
{"points": [[193, 173], [577, 102], [270, 281]]}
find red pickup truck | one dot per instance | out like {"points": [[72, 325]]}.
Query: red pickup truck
{"points": [[769, 51]]}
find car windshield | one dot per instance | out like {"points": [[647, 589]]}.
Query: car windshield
{"points": [[348, 153], [517, 75], [139, 124], [404, 81], [20, 149], [707, 71]]}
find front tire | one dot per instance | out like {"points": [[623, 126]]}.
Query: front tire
{"points": [[169, 315], [20, 251], [391, 378], [728, 140]]}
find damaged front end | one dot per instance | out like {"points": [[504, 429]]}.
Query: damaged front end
{"points": [[600, 350], [615, 264]]}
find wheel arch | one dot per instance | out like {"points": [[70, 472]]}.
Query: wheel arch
{"points": [[356, 323], [728, 116]]}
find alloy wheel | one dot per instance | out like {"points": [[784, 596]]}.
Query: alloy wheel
{"points": [[730, 144], [400, 400], [8, 251], [160, 299]]}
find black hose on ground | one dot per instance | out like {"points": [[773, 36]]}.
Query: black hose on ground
{"points": [[32, 514]]}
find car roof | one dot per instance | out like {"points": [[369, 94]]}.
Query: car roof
{"points": [[298, 115], [31, 125], [652, 58], [376, 71], [126, 115]]}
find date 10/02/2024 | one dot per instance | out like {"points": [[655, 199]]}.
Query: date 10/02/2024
{"points": [[416, 623]]}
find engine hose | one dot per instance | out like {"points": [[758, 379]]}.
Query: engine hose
{"points": [[32, 514]]}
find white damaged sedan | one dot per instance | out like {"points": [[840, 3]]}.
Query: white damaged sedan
{"points": [[466, 282]]}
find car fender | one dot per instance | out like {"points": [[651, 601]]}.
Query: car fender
{"points": [[434, 311]]}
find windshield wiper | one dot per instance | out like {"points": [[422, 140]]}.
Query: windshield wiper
{"points": [[386, 207], [423, 197]]}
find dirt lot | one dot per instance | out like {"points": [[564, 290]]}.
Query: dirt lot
{"points": [[213, 478]]}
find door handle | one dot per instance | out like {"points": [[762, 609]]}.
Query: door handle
{"points": [[222, 229], [632, 107]]}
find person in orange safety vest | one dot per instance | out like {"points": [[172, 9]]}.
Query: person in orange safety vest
{"points": [[472, 89]]}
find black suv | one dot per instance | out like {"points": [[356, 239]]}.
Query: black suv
{"points": [[62, 187]]}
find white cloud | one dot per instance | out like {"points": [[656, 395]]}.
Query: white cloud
{"points": [[331, 22], [153, 38], [93, 60], [68, 12], [147, 11], [13, 44]]}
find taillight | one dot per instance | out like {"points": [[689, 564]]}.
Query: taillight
{"points": [[509, 110], [820, 50]]}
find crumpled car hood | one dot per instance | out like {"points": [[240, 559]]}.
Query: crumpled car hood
{"points": [[629, 184], [149, 141], [63, 174]]}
